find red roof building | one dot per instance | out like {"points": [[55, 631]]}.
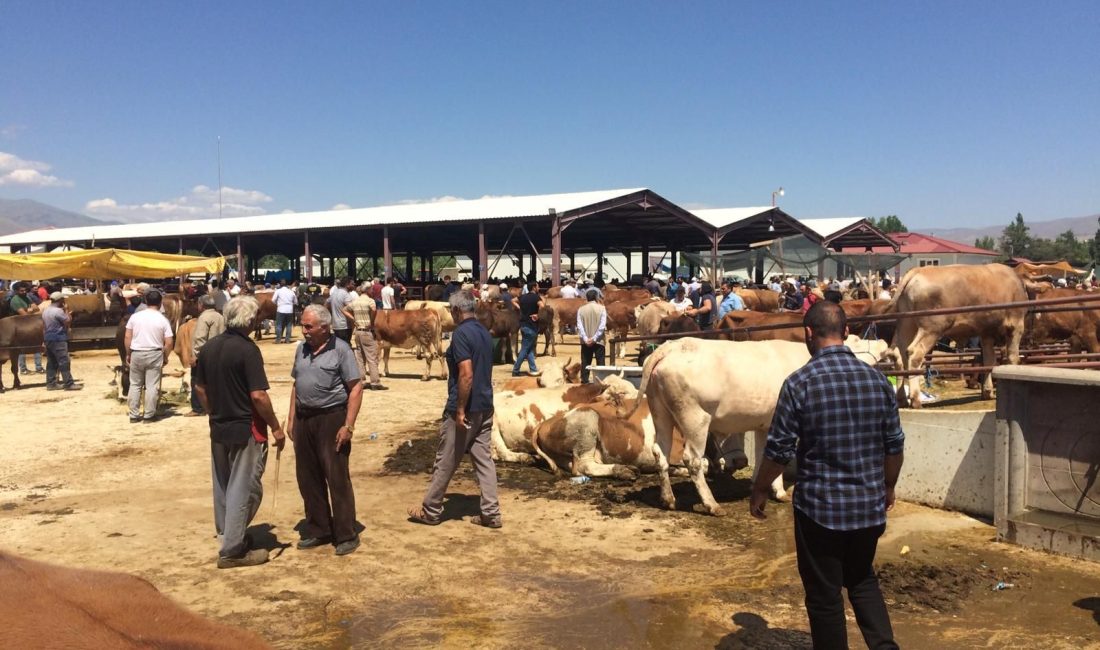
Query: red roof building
{"points": [[915, 243]]}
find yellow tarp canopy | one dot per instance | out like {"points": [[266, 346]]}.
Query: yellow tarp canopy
{"points": [[1059, 268], [104, 264]]}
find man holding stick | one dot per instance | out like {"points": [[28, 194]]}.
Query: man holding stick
{"points": [[232, 386]]}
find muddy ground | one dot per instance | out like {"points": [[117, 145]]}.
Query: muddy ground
{"points": [[580, 566]]}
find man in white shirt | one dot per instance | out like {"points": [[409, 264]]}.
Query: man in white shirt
{"points": [[591, 327], [680, 302], [885, 293], [387, 295], [149, 341], [231, 288], [570, 289], [285, 301]]}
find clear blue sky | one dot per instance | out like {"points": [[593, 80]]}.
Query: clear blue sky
{"points": [[944, 113]]}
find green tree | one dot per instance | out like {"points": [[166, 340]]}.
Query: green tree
{"points": [[1094, 247], [1016, 238], [280, 262], [987, 242], [1068, 247], [890, 223]]}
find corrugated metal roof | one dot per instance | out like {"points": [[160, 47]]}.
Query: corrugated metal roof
{"points": [[830, 226], [722, 217], [387, 215]]}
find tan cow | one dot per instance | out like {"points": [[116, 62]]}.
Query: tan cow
{"points": [[648, 316], [723, 389], [957, 285], [740, 318], [565, 313], [410, 329], [19, 334], [50, 606], [611, 297], [553, 374], [764, 300], [446, 321], [621, 317]]}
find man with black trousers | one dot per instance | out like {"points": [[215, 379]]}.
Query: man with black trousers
{"points": [[591, 328], [839, 418], [324, 404]]}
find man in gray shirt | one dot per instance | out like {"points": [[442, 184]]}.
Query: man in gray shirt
{"points": [[56, 321], [324, 403], [338, 301], [208, 325]]}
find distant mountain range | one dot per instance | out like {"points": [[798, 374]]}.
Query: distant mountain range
{"points": [[19, 215], [1083, 227]]}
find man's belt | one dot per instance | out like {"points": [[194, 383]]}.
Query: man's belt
{"points": [[310, 412]]}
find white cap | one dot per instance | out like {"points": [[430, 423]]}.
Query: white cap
{"points": [[484, 287], [503, 286], [694, 279]]}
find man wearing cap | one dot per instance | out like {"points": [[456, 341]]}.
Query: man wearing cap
{"points": [[570, 289], [209, 324], [149, 341], [56, 321], [22, 304]]}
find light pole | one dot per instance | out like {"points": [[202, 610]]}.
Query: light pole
{"points": [[771, 228], [776, 193]]}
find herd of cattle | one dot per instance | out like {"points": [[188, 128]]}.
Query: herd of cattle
{"points": [[710, 393]]}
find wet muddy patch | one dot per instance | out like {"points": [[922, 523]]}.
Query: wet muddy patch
{"points": [[943, 588]]}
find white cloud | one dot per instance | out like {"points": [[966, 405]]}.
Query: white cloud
{"points": [[200, 203], [340, 206], [30, 173]]}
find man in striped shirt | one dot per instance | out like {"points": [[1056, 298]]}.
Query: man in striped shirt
{"points": [[839, 418]]}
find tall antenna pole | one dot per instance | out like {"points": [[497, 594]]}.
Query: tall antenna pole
{"points": [[219, 177]]}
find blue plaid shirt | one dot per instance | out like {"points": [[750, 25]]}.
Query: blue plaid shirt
{"points": [[839, 416]]}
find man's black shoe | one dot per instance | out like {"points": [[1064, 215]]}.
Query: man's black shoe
{"points": [[135, 420], [313, 542], [343, 548]]}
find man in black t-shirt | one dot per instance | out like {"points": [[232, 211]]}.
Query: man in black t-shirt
{"points": [[529, 305], [232, 386], [467, 418]]}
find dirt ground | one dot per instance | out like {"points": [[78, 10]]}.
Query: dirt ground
{"points": [[581, 566]]}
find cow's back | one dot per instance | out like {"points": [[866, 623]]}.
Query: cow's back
{"points": [[20, 334], [961, 285], [403, 328]]}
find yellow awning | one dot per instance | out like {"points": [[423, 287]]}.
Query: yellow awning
{"points": [[104, 264]]}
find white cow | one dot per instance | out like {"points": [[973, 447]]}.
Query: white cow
{"points": [[724, 389]]}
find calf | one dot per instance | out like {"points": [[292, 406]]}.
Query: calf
{"points": [[502, 323], [19, 335]]}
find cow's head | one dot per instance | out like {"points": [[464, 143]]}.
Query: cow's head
{"points": [[869, 351]]}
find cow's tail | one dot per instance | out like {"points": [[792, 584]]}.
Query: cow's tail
{"points": [[892, 308], [648, 369], [542, 454]]}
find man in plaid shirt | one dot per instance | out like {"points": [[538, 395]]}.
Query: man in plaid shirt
{"points": [[839, 418]]}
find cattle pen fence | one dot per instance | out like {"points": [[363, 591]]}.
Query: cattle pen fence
{"points": [[1050, 356]]}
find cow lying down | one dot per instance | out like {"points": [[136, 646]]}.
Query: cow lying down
{"points": [[58, 607]]}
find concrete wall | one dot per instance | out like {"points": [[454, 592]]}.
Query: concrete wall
{"points": [[949, 460]]}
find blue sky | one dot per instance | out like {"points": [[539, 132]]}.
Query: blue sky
{"points": [[944, 113]]}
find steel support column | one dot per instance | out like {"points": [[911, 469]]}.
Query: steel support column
{"points": [[387, 255], [599, 267], [482, 254], [715, 279], [519, 266], [308, 260], [629, 272], [647, 268], [555, 250], [408, 266], [672, 261], [240, 262]]}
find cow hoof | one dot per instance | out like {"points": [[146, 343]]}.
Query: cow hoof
{"points": [[987, 394], [716, 511], [426, 378], [625, 474], [668, 504], [783, 497]]}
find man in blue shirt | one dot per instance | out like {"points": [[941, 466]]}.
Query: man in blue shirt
{"points": [[839, 418], [467, 418], [731, 301], [56, 321]]}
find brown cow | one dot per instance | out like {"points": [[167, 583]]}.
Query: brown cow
{"points": [[434, 292], [553, 292], [553, 374], [671, 324], [19, 335], [739, 318], [1076, 327], [266, 299], [611, 297], [87, 310], [47, 605], [546, 328], [621, 316], [565, 313], [409, 329], [957, 285], [502, 323]]}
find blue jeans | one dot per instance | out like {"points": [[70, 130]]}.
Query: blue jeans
{"points": [[37, 362], [284, 326], [57, 363], [527, 347]]}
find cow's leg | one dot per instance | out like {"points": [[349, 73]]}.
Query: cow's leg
{"points": [[662, 449], [919, 347], [16, 382], [695, 425], [989, 358], [1016, 335], [440, 357], [501, 451], [760, 439], [590, 465], [385, 360], [427, 356]]}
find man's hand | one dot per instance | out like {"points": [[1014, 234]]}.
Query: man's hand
{"points": [[757, 501], [194, 361], [343, 436], [460, 418], [289, 429], [889, 498], [280, 438]]}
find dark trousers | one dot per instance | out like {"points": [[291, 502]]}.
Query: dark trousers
{"points": [[323, 474], [284, 326], [587, 352], [343, 334], [57, 363], [196, 403], [829, 560]]}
